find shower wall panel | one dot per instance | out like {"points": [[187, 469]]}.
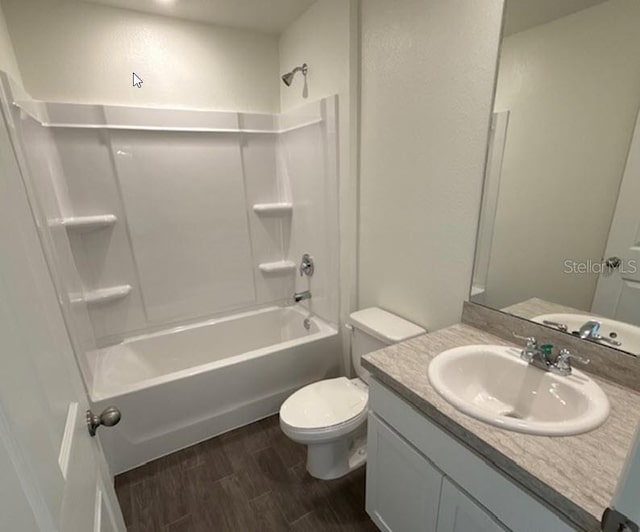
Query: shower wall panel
{"points": [[104, 257], [309, 167], [183, 241], [185, 201]]}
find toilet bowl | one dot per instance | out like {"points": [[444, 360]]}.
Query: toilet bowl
{"points": [[324, 416], [329, 416]]}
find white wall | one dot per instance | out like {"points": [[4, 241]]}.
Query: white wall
{"points": [[8, 61], [326, 38], [320, 38], [573, 89], [86, 53], [428, 72]]}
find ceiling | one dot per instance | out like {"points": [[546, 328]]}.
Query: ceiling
{"points": [[269, 16], [525, 14]]}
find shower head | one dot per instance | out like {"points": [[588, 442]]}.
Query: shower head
{"points": [[287, 78]]}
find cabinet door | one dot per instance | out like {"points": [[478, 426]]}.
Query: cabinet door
{"points": [[403, 488], [459, 513]]}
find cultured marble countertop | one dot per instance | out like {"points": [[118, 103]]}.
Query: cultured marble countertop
{"points": [[575, 476]]}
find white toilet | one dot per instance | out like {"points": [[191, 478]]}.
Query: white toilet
{"points": [[330, 416]]}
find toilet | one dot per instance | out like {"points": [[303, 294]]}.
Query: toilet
{"points": [[329, 416]]}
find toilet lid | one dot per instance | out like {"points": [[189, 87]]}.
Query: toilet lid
{"points": [[324, 403]]}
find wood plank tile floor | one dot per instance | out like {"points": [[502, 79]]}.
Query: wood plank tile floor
{"points": [[251, 479]]}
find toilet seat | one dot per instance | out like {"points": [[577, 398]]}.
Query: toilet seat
{"points": [[328, 408]]}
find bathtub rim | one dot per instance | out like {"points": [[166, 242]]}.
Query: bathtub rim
{"points": [[325, 330]]}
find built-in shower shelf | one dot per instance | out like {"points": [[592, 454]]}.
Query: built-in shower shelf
{"points": [[282, 266], [103, 295], [273, 209], [84, 224]]}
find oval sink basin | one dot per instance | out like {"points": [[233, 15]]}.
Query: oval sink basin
{"points": [[628, 335], [491, 383]]}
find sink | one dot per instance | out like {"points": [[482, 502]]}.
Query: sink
{"points": [[628, 335], [491, 383]]}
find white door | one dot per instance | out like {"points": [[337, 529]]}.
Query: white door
{"points": [[618, 292], [459, 513], [53, 474], [403, 487]]}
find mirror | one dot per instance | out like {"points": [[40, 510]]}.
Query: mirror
{"points": [[559, 234]]}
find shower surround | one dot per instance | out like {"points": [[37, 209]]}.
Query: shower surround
{"points": [[160, 221]]}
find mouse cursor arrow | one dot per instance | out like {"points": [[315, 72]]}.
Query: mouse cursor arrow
{"points": [[137, 82]]}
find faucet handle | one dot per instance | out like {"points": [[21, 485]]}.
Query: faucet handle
{"points": [[307, 266], [565, 355], [531, 340], [563, 362]]}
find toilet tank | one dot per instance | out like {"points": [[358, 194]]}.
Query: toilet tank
{"points": [[373, 329]]}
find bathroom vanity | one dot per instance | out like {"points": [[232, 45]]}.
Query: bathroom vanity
{"points": [[432, 468]]}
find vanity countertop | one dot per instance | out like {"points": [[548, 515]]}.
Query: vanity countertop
{"points": [[574, 475]]}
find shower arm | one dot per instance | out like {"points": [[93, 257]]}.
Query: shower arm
{"points": [[303, 68]]}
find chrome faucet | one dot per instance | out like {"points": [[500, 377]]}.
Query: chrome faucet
{"points": [[533, 353], [541, 357], [301, 296], [591, 331]]}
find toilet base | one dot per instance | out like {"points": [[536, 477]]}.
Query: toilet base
{"points": [[328, 461]]}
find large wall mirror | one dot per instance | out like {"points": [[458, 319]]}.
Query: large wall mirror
{"points": [[559, 235]]}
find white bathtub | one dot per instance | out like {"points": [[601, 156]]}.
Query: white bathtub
{"points": [[181, 386]]}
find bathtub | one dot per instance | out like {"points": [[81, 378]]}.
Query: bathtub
{"points": [[181, 386]]}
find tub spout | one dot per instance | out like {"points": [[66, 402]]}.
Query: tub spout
{"points": [[301, 296]]}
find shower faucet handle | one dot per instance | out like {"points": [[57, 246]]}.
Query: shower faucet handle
{"points": [[307, 267]]}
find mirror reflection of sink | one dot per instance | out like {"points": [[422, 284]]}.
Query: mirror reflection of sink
{"points": [[492, 384], [627, 335]]}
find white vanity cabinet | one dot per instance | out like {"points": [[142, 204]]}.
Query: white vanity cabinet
{"points": [[421, 479]]}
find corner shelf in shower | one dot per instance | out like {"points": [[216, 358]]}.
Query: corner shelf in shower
{"points": [[103, 295], [273, 209], [85, 224], [279, 267]]}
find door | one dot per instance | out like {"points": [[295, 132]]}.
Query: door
{"points": [[618, 291], [54, 476], [459, 513], [403, 487]]}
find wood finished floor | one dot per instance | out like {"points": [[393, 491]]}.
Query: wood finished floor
{"points": [[251, 479]]}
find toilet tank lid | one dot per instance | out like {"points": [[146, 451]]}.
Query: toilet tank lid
{"points": [[385, 326]]}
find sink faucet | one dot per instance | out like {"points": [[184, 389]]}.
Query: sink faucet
{"points": [[301, 296], [533, 353], [591, 331], [540, 356]]}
